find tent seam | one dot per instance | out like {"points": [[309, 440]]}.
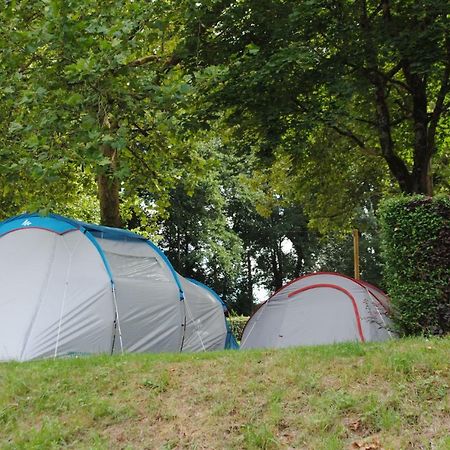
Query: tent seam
{"points": [[177, 282], [66, 282], [379, 313], [108, 269]]}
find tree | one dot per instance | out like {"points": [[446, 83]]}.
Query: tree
{"points": [[334, 251], [277, 247], [373, 72], [196, 231], [86, 88], [230, 234], [198, 239]]}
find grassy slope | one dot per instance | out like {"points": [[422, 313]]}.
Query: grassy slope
{"points": [[393, 395]]}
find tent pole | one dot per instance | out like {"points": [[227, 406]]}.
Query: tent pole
{"points": [[117, 318], [356, 253]]}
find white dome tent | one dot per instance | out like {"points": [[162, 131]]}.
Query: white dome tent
{"points": [[319, 308], [68, 287]]}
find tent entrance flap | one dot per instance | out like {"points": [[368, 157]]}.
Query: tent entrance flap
{"points": [[338, 288], [147, 299]]}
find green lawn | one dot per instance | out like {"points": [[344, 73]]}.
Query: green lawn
{"points": [[393, 396]]}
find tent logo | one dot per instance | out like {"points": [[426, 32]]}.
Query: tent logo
{"points": [[26, 223]]}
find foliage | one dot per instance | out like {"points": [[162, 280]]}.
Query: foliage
{"points": [[227, 130], [375, 74], [334, 252], [198, 239], [196, 232], [277, 246], [229, 232], [86, 92], [237, 324], [315, 398], [333, 182], [416, 253], [74, 196]]}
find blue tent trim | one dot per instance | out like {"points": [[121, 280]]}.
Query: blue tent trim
{"points": [[117, 234], [60, 225], [169, 265], [101, 231], [31, 221], [102, 255], [230, 342], [53, 223]]}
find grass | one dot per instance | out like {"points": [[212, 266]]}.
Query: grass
{"points": [[393, 396]]}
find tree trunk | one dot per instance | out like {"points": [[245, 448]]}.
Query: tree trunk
{"points": [[276, 271], [178, 249], [419, 180], [421, 173], [396, 165], [108, 190], [249, 279], [422, 179], [280, 262]]}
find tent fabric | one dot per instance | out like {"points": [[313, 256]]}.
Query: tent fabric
{"points": [[148, 323], [320, 308], [230, 342], [67, 287], [55, 295], [202, 308]]}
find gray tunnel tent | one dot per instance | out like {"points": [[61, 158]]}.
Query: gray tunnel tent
{"points": [[319, 308], [68, 287]]}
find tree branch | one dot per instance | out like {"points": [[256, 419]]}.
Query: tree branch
{"points": [[342, 131], [144, 60], [168, 63], [144, 133], [149, 170], [366, 121], [357, 140], [399, 83], [393, 71]]}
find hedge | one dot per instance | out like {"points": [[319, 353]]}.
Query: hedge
{"points": [[415, 240], [237, 324]]}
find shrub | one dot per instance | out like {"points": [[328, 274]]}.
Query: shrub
{"points": [[415, 233], [237, 324]]}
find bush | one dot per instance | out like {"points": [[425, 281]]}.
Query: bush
{"points": [[237, 324], [415, 234]]}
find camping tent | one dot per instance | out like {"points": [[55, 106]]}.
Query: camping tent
{"points": [[319, 308], [68, 287]]}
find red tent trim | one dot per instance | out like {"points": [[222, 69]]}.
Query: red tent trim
{"points": [[339, 288]]}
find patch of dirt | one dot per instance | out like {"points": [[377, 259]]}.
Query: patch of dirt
{"points": [[370, 443]]}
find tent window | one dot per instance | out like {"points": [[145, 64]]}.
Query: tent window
{"points": [[146, 268]]}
